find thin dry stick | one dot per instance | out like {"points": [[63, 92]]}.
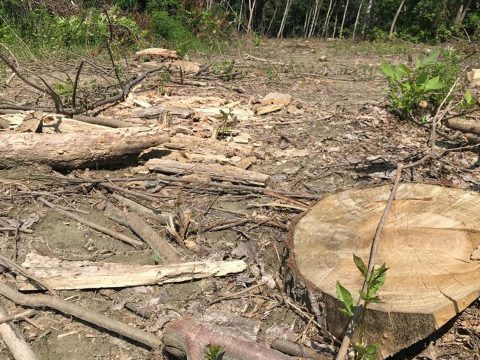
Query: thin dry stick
{"points": [[22, 315], [112, 233], [14, 267], [89, 316]]}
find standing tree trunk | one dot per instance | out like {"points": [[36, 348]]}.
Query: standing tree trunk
{"points": [[356, 20], [284, 19], [239, 17], [313, 24], [394, 22], [273, 18], [366, 19], [251, 7], [335, 26], [462, 12], [343, 19], [308, 18], [327, 19]]}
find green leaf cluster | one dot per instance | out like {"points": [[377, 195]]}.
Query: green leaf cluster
{"points": [[428, 81], [373, 283]]}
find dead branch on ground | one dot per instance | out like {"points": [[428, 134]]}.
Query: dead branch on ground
{"points": [[89, 316]]}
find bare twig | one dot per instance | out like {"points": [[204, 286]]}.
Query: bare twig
{"points": [[89, 316], [112, 233], [14, 267], [75, 85]]}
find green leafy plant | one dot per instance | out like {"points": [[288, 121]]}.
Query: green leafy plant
{"points": [[228, 119], [372, 283], [271, 73], [428, 81], [214, 352], [226, 70], [257, 39]]}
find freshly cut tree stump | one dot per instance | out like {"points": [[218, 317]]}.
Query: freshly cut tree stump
{"points": [[75, 150], [427, 244]]}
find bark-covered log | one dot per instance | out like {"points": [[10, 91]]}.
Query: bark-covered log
{"points": [[72, 150], [214, 171], [188, 339], [465, 126]]}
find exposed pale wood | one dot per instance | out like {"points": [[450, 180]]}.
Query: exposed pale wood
{"points": [[70, 151], [113, 123], [427, 243], [187, 339], [214, 171], [31, 123], [465, 126], [157, 243], [14, 340], [198, 145], [161, 218], [92, 275], [157, 53]]}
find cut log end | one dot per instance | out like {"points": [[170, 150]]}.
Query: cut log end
{"points": [[427, 245]]}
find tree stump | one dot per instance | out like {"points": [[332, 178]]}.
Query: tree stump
{"points": [[429, 244]]}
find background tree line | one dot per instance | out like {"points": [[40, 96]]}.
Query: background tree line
{"points": [[188, 23]]}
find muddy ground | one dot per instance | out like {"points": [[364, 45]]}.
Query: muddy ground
{"points": [[339, 136]]}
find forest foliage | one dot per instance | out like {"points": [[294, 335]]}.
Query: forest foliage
{"points": [[191, 24]]}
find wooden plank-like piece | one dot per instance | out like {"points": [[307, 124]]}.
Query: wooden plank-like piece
{"points": [[199, 145], [214, 171], [75, 150], [92, 275]]}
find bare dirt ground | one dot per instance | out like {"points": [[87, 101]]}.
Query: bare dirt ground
{"points": [[337, 136]]}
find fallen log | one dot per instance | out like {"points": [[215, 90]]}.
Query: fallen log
{"points": [[71, 151], [464, 126], [188, 339], [108, 122], [158, 244], [95, 275], [199, 145], [428, 243], [214, 171], [14, 340]]}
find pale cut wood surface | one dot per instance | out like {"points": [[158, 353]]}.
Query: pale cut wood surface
{"points": [[73, 150], [427, 244], [71, 275], [14, 340], [214, 171]]}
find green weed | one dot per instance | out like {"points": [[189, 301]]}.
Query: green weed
{"points": [[214, 352], [428, 81], [373, 283]]}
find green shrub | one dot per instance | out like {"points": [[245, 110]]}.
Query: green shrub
{"points": [[425, 83]]}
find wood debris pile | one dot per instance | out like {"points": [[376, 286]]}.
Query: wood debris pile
{"points": [[197, 143]]}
